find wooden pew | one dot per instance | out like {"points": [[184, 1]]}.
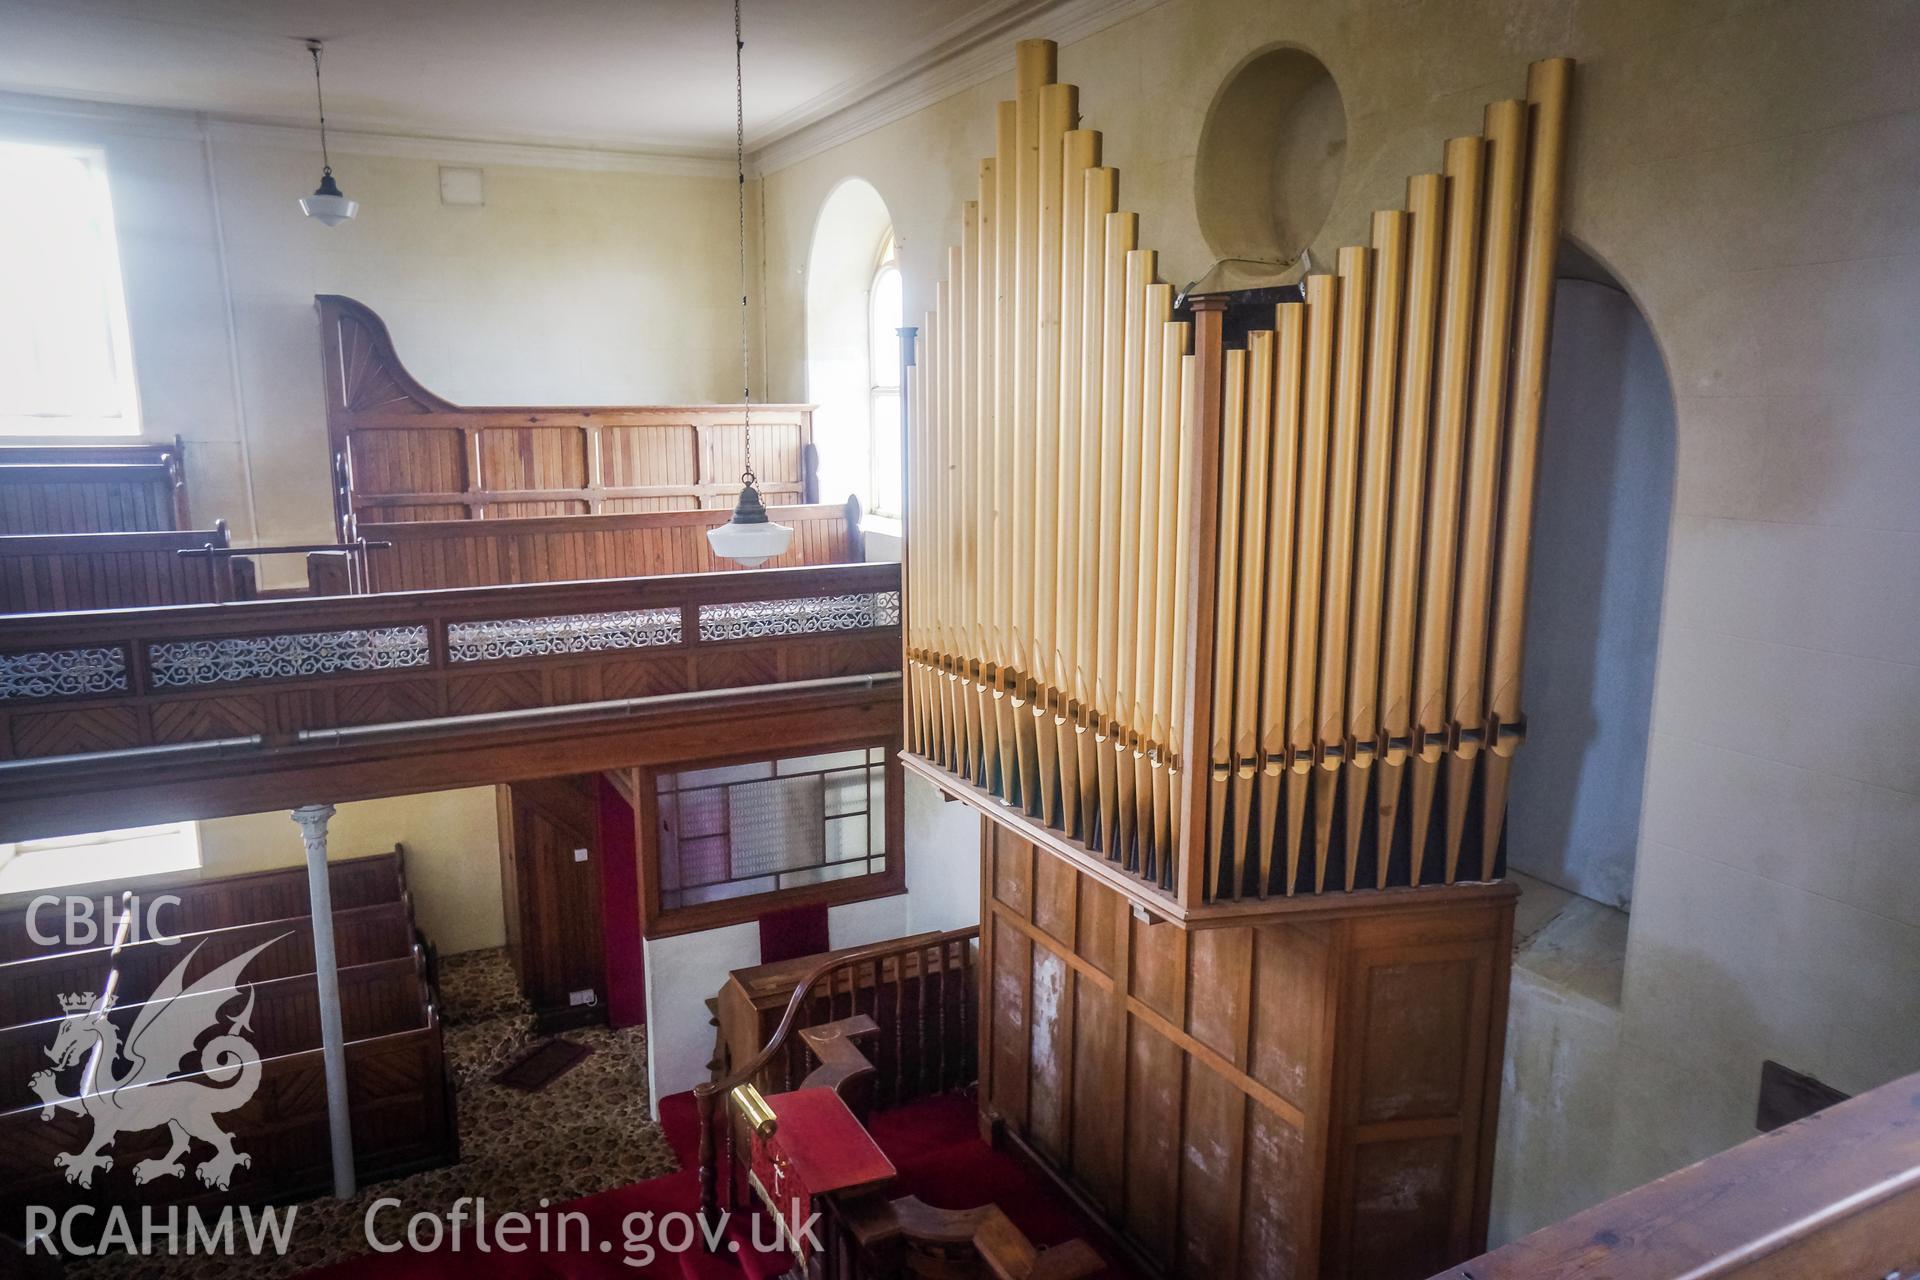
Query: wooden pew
{"points": [[403, 453], [213, 902], [403, 1115], [382, 998], [49, 573], [430, 554], [30, 990], [121, 487], [403, 1121]]}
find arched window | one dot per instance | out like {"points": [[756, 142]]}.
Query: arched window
{"points": [[854, 304], [884, 318]]}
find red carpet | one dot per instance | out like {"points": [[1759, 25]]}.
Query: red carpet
{"points": [[934, 1143]]}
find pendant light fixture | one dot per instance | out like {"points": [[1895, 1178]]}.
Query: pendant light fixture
{"points": [[751, 537], [326, 205]]}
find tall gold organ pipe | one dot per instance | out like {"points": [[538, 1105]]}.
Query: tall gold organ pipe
{"points": [[1310, 516], [1547, 89], [930, 501], [983, 447], [1283, 480], [1256, 491], [1506, 143], [1465, 165], [1121, 232], [917, 464], [1005, 441], [1189, 418], [1080, 151], [1032, 73], [1426, 214], [1336, 617], [1057, 107], [1169, 577], [1140, 274], [1370, 546], [967, 461], [953, 528], [1222, 872], [1146, 627], [1102, 193], [910, 566], [937, 419]]}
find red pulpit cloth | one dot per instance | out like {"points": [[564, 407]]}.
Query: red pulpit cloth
{"points": [[817, 1149]]}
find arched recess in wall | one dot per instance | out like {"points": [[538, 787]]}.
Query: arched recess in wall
{"points": [[853, 307], [1599, 570]]}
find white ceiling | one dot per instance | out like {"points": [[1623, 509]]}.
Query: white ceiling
{"points": [[633, 75]]}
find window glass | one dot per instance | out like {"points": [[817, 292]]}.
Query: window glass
{"points": [[885, 315], [65, 358], [741, 830], [32, 865]]}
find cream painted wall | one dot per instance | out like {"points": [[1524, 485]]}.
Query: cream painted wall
{"points": [[1746, 170], [452, 855], [569, 286]]}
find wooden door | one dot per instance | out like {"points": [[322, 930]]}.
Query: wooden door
{"points": [[549, 867]]}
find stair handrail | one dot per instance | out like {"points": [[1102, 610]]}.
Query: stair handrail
{"points": [[706, 1094]]}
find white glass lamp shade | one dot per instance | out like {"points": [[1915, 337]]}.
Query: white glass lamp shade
{"points": [[750, 538], [326, 205]]}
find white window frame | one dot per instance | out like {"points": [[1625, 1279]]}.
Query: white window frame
{"points": [[181, 838], [126, 421]]}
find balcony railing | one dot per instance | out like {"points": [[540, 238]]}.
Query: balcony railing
{"points": [[116, 689]]}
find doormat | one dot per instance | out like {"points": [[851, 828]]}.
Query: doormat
{"points": [[541, 1065]]}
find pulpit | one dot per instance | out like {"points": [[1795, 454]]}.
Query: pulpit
{"points": [[807, 1146]]}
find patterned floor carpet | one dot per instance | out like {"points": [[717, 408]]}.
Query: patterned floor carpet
{"points": [[588, 1131]]}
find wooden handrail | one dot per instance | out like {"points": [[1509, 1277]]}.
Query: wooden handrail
{"points": [[706, 1095], [1836, 1194]]}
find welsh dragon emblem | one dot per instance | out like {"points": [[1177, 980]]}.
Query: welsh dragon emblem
{"points": [[130, 1087]]}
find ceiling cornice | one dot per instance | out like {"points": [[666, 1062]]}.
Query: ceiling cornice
{"points": [[84, 115], [954, 60], [473, 151]]}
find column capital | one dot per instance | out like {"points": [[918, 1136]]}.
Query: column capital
{"points": [[312, 821]]}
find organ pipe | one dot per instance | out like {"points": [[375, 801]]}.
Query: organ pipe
{"points": [[1237, 621]]}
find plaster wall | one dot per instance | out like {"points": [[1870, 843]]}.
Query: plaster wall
{"points": [[1745, 169], [568, 286], [582, 285], [452, 846]]}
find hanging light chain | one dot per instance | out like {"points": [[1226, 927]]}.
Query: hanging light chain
{"points": [[740, 167], [313, 47]]}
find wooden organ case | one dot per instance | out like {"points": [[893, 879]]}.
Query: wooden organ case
{"points": [[1225, 639]]}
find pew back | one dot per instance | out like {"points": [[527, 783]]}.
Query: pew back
{"points": [[47, 573], [93, 488], [382, 998], [30, 990], [215, 902], [429, 554]]}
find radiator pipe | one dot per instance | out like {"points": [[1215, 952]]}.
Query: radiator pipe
{"points": [[135, 755], [614, 707], [327, 737]]}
